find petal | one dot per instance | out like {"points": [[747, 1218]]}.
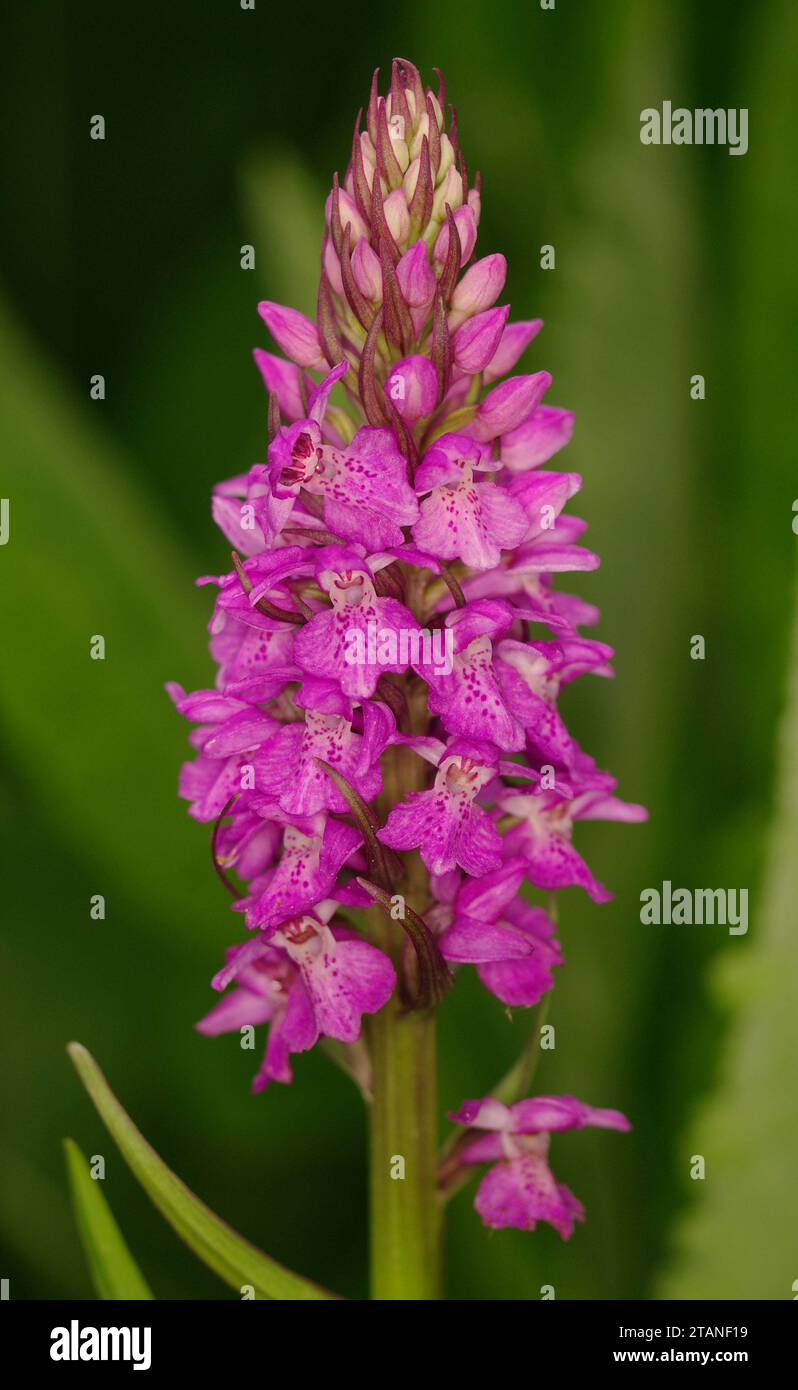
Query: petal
{"points": [[522, 1191], [479, 288], [487, 1113], [284, 380], [544, 1114], [345, 980], [545, 431], [474, 942], [238, 1009], [507, 405], [475, 343], [449, 830], [522, 983], [485, 899], [294, 333], [515, 339]]}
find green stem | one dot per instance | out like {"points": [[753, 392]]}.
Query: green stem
{"points": [[405, 1214], [403, 1132]]}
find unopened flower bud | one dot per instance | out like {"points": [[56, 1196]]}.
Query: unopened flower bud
{"points": [[396, 133], [367, 271], [479, 288], [397, 216], [474, 345], [412, 385], [507, 405], [447, 158], [294, 333], [416, 277], [349, 214], [465, 223], [449, 191], [332, 265], [422, 130]]}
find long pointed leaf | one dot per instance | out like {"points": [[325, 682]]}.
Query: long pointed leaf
{"points": [[114, 1272], [219, 1247]]}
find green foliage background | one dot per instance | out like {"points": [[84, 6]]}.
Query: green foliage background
{"points": [[122, 257]]}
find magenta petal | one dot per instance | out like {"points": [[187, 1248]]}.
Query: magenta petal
{"points": [[481, 285], [470, 521], [473, 942], [507, 405], [284, 380], [238, 1009], [294, 333], [514, 340], [448, 830], [485, 1149], [521, 983], [344, 980], [319, 397], [486, 898], [546, 430], [412, 385], [521, 1191], [487, 1113], [549, 1113], [298, 1024], [474, 345], [416, 277], [244, 730]]}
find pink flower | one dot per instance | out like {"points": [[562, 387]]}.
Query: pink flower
{"points": [[469, 698], [360, 636], [313, 854], [464, 518], [484, 922], [308, 979], [543, 829], [364, 489], [520, 1189], [286, 767], [446, 822]]}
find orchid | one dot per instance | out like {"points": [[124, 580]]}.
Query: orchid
{"points": [[520, 1189], [382, 755]]}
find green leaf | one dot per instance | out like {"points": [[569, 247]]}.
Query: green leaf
{"points": [[114, 1272], [737, 1239], [219, 1247]]}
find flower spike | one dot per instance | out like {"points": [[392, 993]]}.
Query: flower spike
{"points": [[391, 645]]}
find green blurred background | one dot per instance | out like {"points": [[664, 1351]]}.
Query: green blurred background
{"points": [[122, 257]]}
